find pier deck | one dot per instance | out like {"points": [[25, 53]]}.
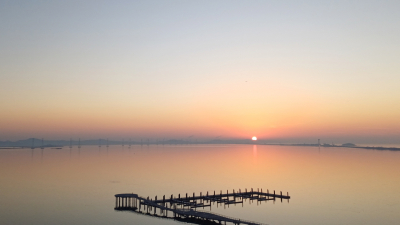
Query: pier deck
{"points": [[182, 207]]}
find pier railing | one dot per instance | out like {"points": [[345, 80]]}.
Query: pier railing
{"points": [[178, 204]]}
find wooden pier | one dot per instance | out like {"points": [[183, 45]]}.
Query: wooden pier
{"points": [[185, 208]]}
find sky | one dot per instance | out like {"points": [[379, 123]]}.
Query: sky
{"points": [[290, 71]]}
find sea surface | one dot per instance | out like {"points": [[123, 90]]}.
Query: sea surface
{"points": [[77, 186]]}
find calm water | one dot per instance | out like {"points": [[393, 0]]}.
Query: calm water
{"points": [[327, 185]]}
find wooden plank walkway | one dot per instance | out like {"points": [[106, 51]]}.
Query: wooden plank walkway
{"points": [[182, 207]]}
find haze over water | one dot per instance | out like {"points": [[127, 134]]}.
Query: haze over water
{"points": [[326, 185]]}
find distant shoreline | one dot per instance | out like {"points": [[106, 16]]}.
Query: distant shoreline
{"points": [[348, 145], [12, 147], [341, 146]]}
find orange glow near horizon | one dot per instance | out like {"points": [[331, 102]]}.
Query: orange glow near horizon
{"points": [[267, 84], [210, 114], [202, 124]]}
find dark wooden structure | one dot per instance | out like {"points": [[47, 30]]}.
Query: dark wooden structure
{"points": [[185, 208]]}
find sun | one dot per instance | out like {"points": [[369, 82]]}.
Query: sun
{"points": [[254, 138]]}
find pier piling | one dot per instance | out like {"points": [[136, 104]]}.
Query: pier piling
{"points": [[182, 207]]}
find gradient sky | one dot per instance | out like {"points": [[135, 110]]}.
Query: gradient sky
{"points": [[279, 70]]}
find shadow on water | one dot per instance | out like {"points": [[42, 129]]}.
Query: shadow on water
{"points": [[178, 219]]}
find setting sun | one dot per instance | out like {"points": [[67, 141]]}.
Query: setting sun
{"points": [[254, 138]]}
